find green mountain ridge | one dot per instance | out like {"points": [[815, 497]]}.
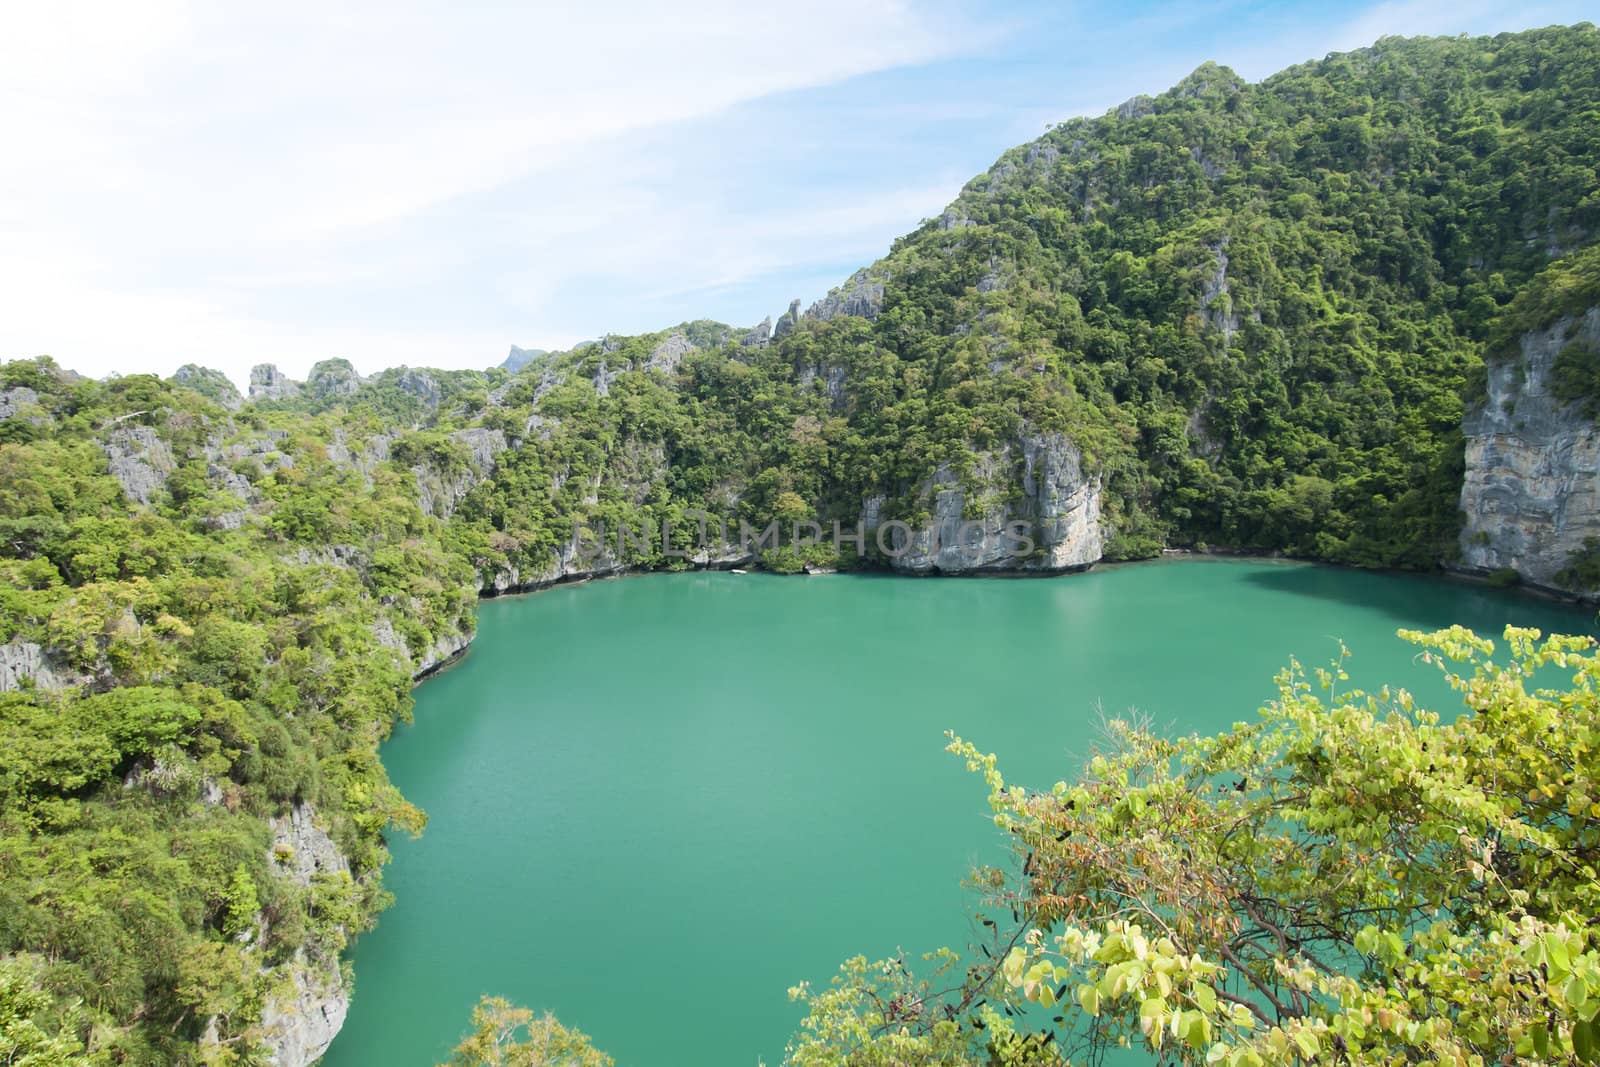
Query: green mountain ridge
{"points": [[1232, 314]]}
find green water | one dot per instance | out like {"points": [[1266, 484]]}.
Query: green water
{"points": [[657, 803]]}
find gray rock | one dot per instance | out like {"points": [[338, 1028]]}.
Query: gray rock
{"points": [[760, 334], [25, 665], [225, 520], [1135, 108], [387, 636], [604, 376], [20, 401], [310, 999], [787, 321], [230, 480], [1531, 494], [139, 460], [263, 448], [267, 382], [345, 556], [445, 648], [333, 378], [1043, 153], [833, 381], [521, 357], [1214, 296], [440, 492], [666, 356], [539, 428], [365, 460], [861, 294], [483, 445], [1059, 509], [211, 384], [300, 1019], [301, 848], [955, 218], [420, 384], [1209, 167]]}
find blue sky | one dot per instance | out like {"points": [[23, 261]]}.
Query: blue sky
{"points": [[428, 184]]}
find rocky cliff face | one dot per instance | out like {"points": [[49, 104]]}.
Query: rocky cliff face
{"points": [[439, 492], [520, 357], [977, 523], [332, 378], [211, 384], [861, 294], [140, 460], [311, 999], [267, 382], [26, 665], [1532, 489]]}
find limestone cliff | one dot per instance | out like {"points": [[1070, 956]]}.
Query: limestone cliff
{"points": [[1034, 488], [311, 997], [1531, 494], [267, 382]]}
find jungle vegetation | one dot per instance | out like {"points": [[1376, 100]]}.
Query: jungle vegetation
{"points": [[1259, 311]]}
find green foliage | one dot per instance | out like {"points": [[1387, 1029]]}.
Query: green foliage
{"points": [[1255, 311], [240, 903], [1576, 373], [1583, 567], [1568, 287], [506, 1036], [195, 678], [1348, 878], [29, 1037]]}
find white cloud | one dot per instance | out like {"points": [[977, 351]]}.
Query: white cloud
{"points": [[209, 182], [412, 182]]}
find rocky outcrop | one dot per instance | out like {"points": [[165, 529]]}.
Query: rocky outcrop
{"points": [[304, 1014], [1057, 509], [833, 377], [310, 999], [761, 333], [787, 321], [439, 492], [420, 384], [1531, 495], [17, 401], [333, 378], [861, 294], [955, 217], [666, 356], [139, 460], [520, 357], [211, 384], [25, 665], [445, 647], [1214, 296], [264, 448], [302, 849], [1135, 107], [365, 460], [267, 382], [604, 376]]}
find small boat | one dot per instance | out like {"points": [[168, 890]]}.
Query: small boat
{"points": [[736, 570]]}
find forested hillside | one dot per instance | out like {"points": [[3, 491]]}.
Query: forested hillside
{"points": [[1239, 315]]}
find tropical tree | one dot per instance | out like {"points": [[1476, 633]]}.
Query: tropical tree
{"points": [[1348, 878], [507, 1036]]}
